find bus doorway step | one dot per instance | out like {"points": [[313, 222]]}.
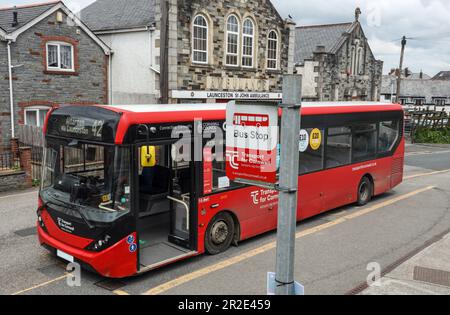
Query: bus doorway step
{"points": [[161, 254]]}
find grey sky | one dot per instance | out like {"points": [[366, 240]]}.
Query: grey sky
{"points": [[384, 22]]}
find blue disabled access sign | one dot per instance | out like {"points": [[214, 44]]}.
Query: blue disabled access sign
{"points": [[272, 283]]}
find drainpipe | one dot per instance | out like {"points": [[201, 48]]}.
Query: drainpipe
{"points": [[110, 79], [11, 95]]}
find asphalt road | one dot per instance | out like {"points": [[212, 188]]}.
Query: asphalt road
{"points": [[332, 250]]}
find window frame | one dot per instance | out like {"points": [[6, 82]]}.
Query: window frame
{"points": [[276, 50], [58, 44], [194, 38], [215, 191], [252, 37], [440, 101], [38, 110], [327, 135], [359, 61], [322, 122], [377, 133], [228, 32], [394, 143]]}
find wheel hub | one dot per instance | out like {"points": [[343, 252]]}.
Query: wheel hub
{"points": [[364, 191], [219, 232]]}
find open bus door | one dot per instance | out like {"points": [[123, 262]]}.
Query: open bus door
{"points": [[166, 208]]}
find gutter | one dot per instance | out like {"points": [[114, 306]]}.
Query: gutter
{"points": [[11, 93]]}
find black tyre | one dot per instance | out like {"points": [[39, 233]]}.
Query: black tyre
{"points": [[365, 191], [219, 234]]}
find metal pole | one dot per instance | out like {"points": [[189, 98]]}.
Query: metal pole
{"points": [[164, 52], [11, 97], [400, 70], [287, 210]]}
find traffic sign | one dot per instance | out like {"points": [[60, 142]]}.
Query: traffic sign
{"points": [[251, 143]]}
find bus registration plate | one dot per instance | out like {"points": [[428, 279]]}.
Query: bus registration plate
{"points": [[65, 256]]}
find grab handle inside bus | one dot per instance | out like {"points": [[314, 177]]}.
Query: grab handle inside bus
{"points": [[185, 206], [148, 153]]}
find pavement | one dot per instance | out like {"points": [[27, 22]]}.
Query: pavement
{"points": [[427, 273], [401, 236]]}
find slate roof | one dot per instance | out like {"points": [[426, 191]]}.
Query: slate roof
{"points": [[25, 15], [307, 38], [443, 75], [109, 15], [416, 87]]}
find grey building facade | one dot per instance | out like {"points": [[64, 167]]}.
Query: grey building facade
{"points": [[216, 50], [337, 63], [230, 49], [55, 59], [417, 92], [128, 28]]}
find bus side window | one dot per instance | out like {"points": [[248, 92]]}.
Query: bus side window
{"points": [[339, 147], [312, 159], [364, 142], [220, 181], [388, 135]]}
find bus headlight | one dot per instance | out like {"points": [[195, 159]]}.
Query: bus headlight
{"points": [[41, 219], [100, 244]]}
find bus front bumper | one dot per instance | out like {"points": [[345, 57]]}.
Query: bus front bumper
{"points": [[114, 262]]}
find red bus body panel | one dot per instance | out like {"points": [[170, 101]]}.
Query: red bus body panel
{"points": [[254, 208], [316, 196], [114, 262]]}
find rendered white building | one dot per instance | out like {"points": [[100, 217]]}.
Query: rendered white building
{"points": [[130, 32]]}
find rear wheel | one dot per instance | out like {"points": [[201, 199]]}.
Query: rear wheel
{"points": [[364, 191], [219, 234]]}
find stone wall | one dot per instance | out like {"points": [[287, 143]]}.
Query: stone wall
{"points": [[328, 76], [34, 86], [185, 75], [309, 80], [365, 86], [13, 181]]}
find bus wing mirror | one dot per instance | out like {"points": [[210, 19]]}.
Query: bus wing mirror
{"points": [[148, 156]]}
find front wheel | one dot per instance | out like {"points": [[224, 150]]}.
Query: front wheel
{"points": [[364, 192], [219, 234]]}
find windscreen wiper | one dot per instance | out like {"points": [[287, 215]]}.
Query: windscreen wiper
{"points": [[72, 207]]}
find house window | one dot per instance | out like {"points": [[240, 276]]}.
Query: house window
{"points": [[440, 102], [60, 56], [35, 116], [353, 61], [272, 51], [232, 41], [200, 40], [248, 34], [359, 62], [419, 102]]}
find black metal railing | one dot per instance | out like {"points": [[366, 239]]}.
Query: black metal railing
{"points": [[9, 161]]}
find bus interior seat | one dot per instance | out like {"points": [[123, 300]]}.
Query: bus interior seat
{"points": [[154, 189]]}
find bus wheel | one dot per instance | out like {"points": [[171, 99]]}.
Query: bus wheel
{"points": [[364, 191], [220, 234]]}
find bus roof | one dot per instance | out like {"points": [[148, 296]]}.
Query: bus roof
{"points": [[137, 114], [119, 118]]}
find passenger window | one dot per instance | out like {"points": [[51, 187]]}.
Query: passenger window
{"points": [[339, 147], [364, 142], [214, 170], [388, 136], [311, 150]]}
